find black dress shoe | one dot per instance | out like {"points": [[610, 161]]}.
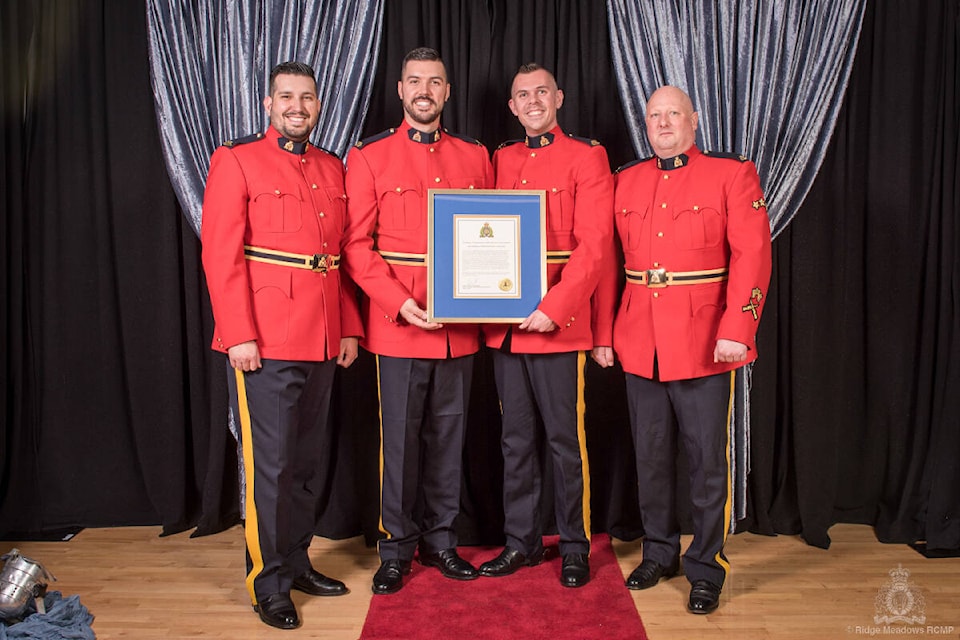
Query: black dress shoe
{"points": [[704, 597], [277, 610], [575, 571], [508, 562], [649, 572], [389, 577], [317, 584], [450, 564]]}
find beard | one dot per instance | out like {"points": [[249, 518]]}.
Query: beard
{"points": [[421, 117]]}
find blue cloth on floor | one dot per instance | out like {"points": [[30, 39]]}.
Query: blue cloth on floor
{"points": [[65, 619]]}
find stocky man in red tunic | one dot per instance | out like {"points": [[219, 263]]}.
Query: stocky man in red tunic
{"points": [[696, 242]]}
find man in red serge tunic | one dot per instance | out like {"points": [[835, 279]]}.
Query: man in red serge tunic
{"points": [[424, 368], [696, 242], [536, 363], [273, 213]]}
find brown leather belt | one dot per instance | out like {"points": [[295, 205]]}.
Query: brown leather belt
{"points": [[659, 278], [319, 262]]}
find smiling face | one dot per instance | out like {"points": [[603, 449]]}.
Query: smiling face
{"points": [[423, 89], [671, 122], [535, 100], [293, 106]]}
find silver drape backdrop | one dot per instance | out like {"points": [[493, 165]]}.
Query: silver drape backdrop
{"points": [[768, 79], [210, 63]]}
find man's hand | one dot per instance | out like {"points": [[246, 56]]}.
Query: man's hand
{"points": [[729, 351], [414, 315], [348, 352], [603, 356], [538, 322], [245, 356]]}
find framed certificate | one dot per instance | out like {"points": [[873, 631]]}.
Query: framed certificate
{"points": [[486, 254]]}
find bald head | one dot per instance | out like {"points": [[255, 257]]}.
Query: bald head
{"points": [[671, 122]]}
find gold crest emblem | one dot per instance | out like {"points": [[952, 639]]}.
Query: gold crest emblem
{"points": [[544, 141], [417, 137], [486, 231], [677, 162], [506, 284], [289, 145], [755, 297]]}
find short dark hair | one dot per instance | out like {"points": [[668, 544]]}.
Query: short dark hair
{"points": [[530, 67], [292, 68], [422, 53]]}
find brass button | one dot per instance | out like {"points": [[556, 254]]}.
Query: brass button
{"points": [[276, 191], [663, 206], [313, 186], [656, 294], [436, 179], [321, 214], [660, 234], [523, 182], [533, 154]]}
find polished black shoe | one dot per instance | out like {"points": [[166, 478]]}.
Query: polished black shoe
{"points": [[649, 572], [277, 610], [450, 564], [389, 577], [508, 562], [317, 584], [704, 597], [575, 571]]}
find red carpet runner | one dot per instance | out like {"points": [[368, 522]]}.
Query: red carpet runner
{"points": [[528, 605]]}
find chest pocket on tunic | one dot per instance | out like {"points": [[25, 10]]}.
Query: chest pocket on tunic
{"points": [[698, 228], [336, 210], [559, 209], [401, 207], [468, 182], [275, 210], [630, 225]]}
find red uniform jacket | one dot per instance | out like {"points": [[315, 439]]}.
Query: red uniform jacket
{"points": [[575, 173], [261, 195], [697, 212], [388, 176]]}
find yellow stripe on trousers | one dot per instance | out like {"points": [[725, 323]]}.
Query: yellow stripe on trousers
{"points": [[729, 502], [380, 415], [251, 529], [582, 438]]}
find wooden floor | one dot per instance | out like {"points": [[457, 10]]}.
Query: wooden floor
{"points": [[139, 585]]}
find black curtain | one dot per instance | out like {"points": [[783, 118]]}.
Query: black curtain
{"points": [[857, 390], [114, 407], [111, 414]]}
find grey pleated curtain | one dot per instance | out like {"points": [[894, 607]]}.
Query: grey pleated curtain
{"points": [[767, 78], [210, 63]]}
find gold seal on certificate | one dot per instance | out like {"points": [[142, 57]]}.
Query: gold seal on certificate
{"points": [[506, 284]]}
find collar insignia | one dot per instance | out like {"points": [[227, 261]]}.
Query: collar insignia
{"points": [[544, 140], [298, 148], [666, 164]]}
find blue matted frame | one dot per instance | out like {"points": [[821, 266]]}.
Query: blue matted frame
{"points": [[444, 206]]}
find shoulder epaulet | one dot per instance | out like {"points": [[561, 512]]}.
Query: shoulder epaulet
{"points": [[729, 156], [460, 136], [590, 141], [326, 151], [253, 137], [508, 143], [374, 138], [634, 163]]}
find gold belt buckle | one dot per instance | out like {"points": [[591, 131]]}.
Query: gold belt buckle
{"points": [[319, 263], [656, 278]]}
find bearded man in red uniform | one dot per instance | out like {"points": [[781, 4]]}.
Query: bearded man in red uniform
{"points": [[273, 212], [424, 368], [696, 242], [538, 364]]}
